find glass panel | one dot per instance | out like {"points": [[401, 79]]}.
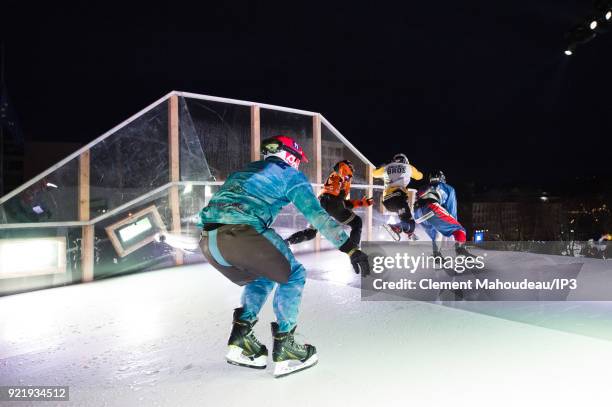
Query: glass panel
{"points": [[194, 166], [57, 260], [223, 132], [149, 254], [112, 261], [130, 162], [334, 150], [52, 199], [193, 199]]}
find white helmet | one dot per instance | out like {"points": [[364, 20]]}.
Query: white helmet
{"points": [[400, 158]]}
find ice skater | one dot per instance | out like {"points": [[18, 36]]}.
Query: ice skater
{"points": [[397, 175], [237, 239], [436, 211], [334, 200]]}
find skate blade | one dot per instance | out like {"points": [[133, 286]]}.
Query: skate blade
{"points": [[395, 236], [284, 368], [235, 356]]}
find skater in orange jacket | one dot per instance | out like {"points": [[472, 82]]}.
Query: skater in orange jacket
{"points": [[334, 200]]}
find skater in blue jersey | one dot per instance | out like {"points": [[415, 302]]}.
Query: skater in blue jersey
{"points": [[436, 211], [237, 239]]}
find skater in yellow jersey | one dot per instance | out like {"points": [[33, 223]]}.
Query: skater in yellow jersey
{"points": [[397, 175]]}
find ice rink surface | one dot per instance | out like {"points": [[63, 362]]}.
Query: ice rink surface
{"points": [[159, 339]]}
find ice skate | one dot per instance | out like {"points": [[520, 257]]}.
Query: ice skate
{"points": [[393, 230], [243, 347], [460, 250], [411, 236], [290, 356], [439, 262]]}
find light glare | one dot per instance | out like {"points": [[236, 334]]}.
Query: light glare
{"points": [[135, 229], [33, 256]]}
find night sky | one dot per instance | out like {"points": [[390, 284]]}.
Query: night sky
{"points": [[479, 89]]}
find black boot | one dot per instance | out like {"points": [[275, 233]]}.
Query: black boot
{"points": [[243, 347], [290, 356], [460, 250]]}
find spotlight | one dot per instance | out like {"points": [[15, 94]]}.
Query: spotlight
{"points": [[136, 230], [17, 259], [568, 52], [593, 25], [608, 15]]}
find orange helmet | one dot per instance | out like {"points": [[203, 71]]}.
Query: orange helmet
{"points": [[345, 169]]}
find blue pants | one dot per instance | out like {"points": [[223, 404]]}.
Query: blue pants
{"points": [[439, 220], [260, 261]]}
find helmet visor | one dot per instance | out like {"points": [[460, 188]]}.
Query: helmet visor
{"points": [[274, 146]]}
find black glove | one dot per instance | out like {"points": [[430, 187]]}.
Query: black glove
{"points": [[359, 260], [301, 236], [412, 225]]}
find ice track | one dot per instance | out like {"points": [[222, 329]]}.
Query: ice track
{"points": [[158, 339]]}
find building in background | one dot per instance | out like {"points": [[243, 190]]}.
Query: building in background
{"points": [[11, 164], [514, 221]]}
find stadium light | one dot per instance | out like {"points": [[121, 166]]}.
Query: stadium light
{"points": [[608, 15], [568, 52], [593, 25], [17, 259], [135, 231]]}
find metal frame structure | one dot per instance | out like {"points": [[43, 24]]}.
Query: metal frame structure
{"points": [[172, 186]]}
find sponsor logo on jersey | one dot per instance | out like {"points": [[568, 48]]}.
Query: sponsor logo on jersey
{"points": [[396, 169]]}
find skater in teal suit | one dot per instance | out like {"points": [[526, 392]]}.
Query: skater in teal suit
{"points": [[237, 239]]}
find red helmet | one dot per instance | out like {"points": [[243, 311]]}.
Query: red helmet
{"points": [[285, 148]]}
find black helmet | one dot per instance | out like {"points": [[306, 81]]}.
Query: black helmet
{"points": [[400, 158], [437, 177]]}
